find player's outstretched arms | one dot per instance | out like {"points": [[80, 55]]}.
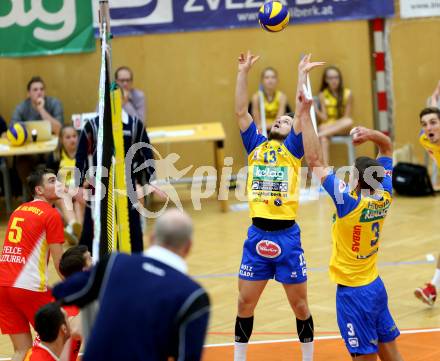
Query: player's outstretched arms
{"points": [[361, 135], [304, 67], [245, 63], [312, 146]]}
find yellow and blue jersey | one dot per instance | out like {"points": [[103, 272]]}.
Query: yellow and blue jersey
{"points": [[432, 149], [273, 174], [356, 229]]}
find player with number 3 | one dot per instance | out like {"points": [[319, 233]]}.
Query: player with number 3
{"points": [[364, 319]]}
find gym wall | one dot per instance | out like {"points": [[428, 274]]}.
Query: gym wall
{"points": [[190, 77], [415, 73]]}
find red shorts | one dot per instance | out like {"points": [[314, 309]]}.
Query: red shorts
{"points": [[18, 307]]}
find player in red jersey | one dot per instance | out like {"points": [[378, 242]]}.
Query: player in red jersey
{"points": [[35, 231], [54, 330], [75, 259]]}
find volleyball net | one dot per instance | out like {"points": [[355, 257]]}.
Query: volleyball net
{"points": [[110, 208]]}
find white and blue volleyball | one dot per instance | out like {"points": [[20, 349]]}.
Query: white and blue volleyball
{"points": [[273, 16]]}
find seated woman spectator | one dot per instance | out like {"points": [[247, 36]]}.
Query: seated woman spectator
{"points": [[334, 110], [275, 101], [63, 162]]}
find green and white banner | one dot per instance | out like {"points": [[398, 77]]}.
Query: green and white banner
{"points": [[45, 27]]}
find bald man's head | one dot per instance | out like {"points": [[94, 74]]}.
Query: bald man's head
{"points": [[173, 230]]}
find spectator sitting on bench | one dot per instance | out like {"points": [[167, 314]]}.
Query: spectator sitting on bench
{"points": [[275, 101], [37, 106], [334, 111], [62, 161]]}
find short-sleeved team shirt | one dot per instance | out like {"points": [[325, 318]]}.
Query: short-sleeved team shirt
{"points": [[40, 353], [357, 226], [33, 226], [273, 174]]}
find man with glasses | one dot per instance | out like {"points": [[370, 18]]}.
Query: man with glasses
{"points": [[133, 100]]}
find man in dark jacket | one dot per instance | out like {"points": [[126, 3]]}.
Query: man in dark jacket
{"points": [[149, 309]]}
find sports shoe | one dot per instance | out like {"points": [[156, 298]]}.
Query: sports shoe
{"points": [[427, 294]]}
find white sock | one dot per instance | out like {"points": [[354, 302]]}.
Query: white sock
{"points": [[307, 351], [436, 279], [240, 350]]}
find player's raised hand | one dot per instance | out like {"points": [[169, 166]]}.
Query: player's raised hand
{"points": [[360, 135], [306, 65], [245, 62], [303, 103]]}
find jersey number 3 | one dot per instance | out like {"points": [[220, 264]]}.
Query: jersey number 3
{"points": [[375, 229], [15, 231]]}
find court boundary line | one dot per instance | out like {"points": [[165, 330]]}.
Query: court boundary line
{"points": [[318, 338]]}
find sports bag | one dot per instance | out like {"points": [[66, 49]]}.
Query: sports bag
{"points": [[411, 180]]}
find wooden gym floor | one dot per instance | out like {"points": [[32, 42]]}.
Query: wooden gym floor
{"points": [[410, 238]]}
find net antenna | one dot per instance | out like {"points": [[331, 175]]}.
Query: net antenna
{"points": [[104, 81], [104, 30], [262, 110], [307, 88]]}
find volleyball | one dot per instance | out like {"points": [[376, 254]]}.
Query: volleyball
{"points": [[17, 134], [273, 16]]}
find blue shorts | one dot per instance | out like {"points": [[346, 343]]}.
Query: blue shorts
{"points": [[364, 318], [277, 255]]}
